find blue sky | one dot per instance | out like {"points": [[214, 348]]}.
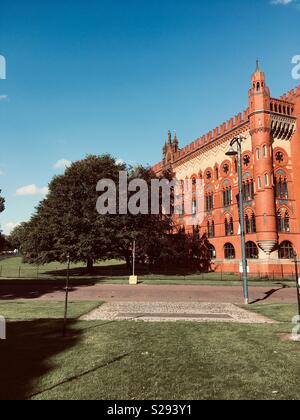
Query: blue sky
{"points": [[114, 76]]}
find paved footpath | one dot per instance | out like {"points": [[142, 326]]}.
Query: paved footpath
{"points": [[171, 312], [151, 293]]}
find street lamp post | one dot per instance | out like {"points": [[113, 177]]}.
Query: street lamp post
{"points": [[238, 142], [133, 279], [67, 296], [297, 283]]}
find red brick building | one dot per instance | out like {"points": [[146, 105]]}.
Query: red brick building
{"points": [[271, 172]]}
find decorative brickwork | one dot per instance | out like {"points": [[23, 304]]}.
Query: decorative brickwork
{"points": [[271, 167]]}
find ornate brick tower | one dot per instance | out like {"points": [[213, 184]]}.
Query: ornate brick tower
{"points": [[170, 149], [260, 131]]}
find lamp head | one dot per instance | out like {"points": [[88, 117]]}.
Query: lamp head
{"points": [[231, 152]]}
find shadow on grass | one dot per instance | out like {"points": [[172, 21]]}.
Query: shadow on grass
{"points": [[122, 270], [269, 294], [26, 355], [37, 289]]}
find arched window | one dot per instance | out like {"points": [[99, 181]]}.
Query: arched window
{"points": [[194, 207], [287, 227], [208, 175], [257, 153], [248, 190], [266, 180], [227, 197], [265, 151], [251, 251], [286, 251], [258, 86], [226, 168], [229, 227], [279, 221], [209, 201], [250, 222], [212, 252], [246, 160], [282, 188], [259, 182], [229, 252], [283, 222], [211, 229]]}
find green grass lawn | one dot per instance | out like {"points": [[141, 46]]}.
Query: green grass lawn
{"points": [[136, 360], [115, 272]]}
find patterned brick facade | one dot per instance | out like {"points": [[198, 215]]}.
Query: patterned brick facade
{"points": [[271, 172]]}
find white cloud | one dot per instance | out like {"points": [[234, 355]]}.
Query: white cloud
{"points": [[129, 163], [62, 164], [9, 227], [31, 190], [120, 162], [1, 173], [282, 2], [3, 97]]}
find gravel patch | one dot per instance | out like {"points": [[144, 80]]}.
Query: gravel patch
{"points": [[170, 312]]}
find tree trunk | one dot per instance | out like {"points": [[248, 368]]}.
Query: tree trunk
{"points": [[89, 265]]}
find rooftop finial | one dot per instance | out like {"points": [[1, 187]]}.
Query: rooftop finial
{"points": [[257, 66], [169, 137]]}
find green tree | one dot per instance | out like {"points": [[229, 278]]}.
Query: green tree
{"points": [[67, 222], [17, 236], [148, 230], [2, 203]]}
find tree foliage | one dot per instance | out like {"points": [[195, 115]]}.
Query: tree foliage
{"points": [[2, 203], [66, 223]]}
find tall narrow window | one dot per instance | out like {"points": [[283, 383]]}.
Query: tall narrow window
{"points": [[248, 190], [250, 222], [209, 200], [212, 252], [259, 182], [227, 197], [265, 151], [287, 222], [279, 221], [266, 180], [281, 188], [211, 229], [257, 153], [194, 207], [229, 227]]}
